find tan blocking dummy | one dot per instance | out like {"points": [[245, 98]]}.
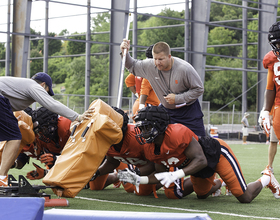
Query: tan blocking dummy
{"points": [[81, 157], [25, 125]]}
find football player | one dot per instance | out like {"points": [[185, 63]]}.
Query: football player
{"points": [[51, 134], [129, 154], [272, 93], [174, 145]]}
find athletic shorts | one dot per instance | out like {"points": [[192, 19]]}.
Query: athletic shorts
{"points": [[245, 131], [9, 129], [273, 137], [228, 169], [189, 115]]}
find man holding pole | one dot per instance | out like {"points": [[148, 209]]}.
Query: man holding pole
{"points": [[175, 82]]}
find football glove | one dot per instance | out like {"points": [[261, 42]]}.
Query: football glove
{"points": [[130, 177], [166, 178], [48, 158], [37, 174], [266, 121], [260, 120]]}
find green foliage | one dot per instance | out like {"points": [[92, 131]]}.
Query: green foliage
{"points": [[57, 69], [174, 36], [101, 23], [75, 47], [2, 54], [34, 43], [36, 65]]}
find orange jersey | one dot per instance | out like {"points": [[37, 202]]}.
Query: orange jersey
{"points": [[271, 63], [132, 80], [131, 151], [173, 146], [146, 89]]}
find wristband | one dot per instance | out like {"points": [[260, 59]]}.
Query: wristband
{"points": [[141, 106], [144, 180], [79, 119], [180, 173]]}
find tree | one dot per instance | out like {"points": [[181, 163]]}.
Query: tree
{"points": [[74, 47], [36, 65], [174, 36], [2, 54], [53, 45], [101, 23]]}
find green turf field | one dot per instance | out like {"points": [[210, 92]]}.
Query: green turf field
{"points": [[253, 159]]}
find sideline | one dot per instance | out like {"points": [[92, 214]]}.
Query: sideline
{"points": [[181, 209]]}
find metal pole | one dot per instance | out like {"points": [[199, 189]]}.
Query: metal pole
{"points": [[123, 65], [232, 120], [8, 60], [46, 40], [187, 26], [87, 71], [244, 54]]}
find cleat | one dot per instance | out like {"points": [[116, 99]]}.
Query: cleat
{"points": [[273, 184], [267, 167], [4, 182], [217, 193], [228, 192]]}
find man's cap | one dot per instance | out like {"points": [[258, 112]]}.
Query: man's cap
{"points": [[44, 77], [246, 114]]}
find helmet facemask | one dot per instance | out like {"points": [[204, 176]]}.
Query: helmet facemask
{"points": [[145, 132], [274, 47]]}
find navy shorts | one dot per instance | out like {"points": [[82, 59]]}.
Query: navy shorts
{"points": [[189, 115], [9, 129]]}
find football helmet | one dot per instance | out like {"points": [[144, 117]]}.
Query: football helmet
{"points": [[125, 122], [274, 38], [125, 118], [149, 123]]}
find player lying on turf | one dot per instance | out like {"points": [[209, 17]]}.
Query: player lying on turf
{"points": [[129, 153], [51, 134], [174, 145]]}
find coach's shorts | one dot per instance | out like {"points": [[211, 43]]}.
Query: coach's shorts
{"points": [[190, 116], [9, 129]]}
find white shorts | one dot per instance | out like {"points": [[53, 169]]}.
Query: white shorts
{"points": [[273, 137], [245, 131]]}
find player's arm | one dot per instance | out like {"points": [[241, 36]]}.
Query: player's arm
{"points": [[195, 154], [108, 166], [269, 94], [147, 169], [142, 101], [269, 99]]}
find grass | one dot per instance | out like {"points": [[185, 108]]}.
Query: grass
{"points": [[253, 159]]}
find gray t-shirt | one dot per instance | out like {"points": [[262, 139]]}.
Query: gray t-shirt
{"points": [[22, 92], [245, 122], [182, 80]]}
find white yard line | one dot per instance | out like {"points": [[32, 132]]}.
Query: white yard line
{"points": [[180, 209]]}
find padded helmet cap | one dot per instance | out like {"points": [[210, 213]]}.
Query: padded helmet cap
{"points": [[155, 114]]}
